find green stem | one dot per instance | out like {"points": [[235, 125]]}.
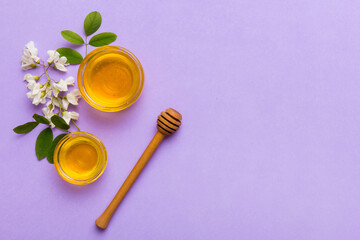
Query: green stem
{"points": [[61, 107], [86, 44], [75, 125], [41, 75], [46, 68], [41, 62]]}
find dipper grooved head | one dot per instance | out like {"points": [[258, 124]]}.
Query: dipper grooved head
{"points": [[169, 121]]}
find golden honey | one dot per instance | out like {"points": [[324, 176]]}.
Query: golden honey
{"points": [[110, 78], [80, 158]]}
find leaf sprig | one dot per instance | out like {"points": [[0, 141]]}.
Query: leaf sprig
{"points": [[92, 23], [45, 145]]}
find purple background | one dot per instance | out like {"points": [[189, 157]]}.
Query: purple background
{"points": [[269, 147]]}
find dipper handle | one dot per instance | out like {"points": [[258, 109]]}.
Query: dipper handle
{"points": [[103, 221]]}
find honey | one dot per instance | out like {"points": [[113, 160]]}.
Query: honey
{"points": [[80, 158], [110, 78]]}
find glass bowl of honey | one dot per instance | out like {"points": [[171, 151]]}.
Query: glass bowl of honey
{"points": [[110, 78], [80, 158]]}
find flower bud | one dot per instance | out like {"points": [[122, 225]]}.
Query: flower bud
{"points": [[33, 65], [42, 93], [36, 77]]}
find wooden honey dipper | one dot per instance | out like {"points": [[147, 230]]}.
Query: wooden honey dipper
{"points": [[167, 123]]}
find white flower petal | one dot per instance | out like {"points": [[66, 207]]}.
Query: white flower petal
{"points": [[56, 92], [29, 94], [54, 88], [53, 56], [61, 86], [67, 116], [36, 100], [55, 102], [48, 94], [70, 80], [29, 77], [63, 61], [59, 62], [30, 52], [30, 45], [60, 67], [73, 96], [50, 105], [27, 63], [65, 103], [74, 115], [37, 94], [48, 112], [51, 53], [31, 84], [26, 52]]}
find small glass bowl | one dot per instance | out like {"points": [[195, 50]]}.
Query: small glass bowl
{"points": [[80, 158], [117, 77]]}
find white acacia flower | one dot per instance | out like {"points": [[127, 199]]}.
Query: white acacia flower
{"points": [[72, 98], [31, 79], [31, 84], [31, 51], [55, 102], [48, 91], [54, 88], [30, 58], [59, 62], [53, 55], [67, 116], [34, 90], [48, 112], [62, 85], [27, 63], [37, 94]]}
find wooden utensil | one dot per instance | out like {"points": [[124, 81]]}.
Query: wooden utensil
{"points": [[168, 122]]}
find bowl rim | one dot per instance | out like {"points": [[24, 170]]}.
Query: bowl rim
{"points": [[82, 69], [62, 173]]}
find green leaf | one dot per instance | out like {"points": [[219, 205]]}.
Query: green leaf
{"points": [[73, 56], [40, 119], [25, 128], [72, 37], [102, 39], [92, 23], [50, 155], [59, 122], [43, 143]]}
